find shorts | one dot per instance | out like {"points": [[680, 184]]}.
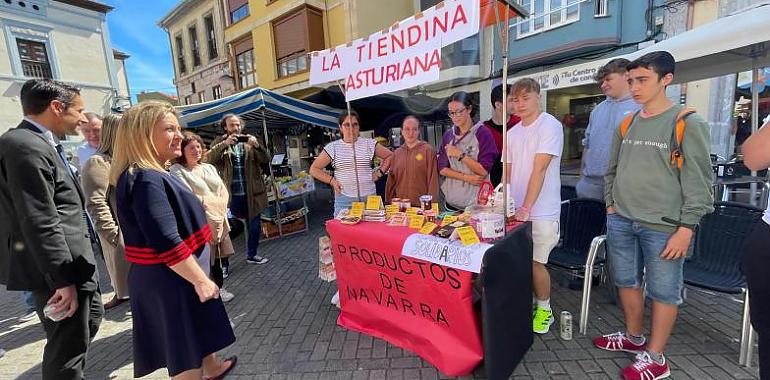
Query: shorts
{"points": [[545, 236], [634, 258]]}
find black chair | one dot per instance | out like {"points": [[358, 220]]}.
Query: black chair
{"points": [[715, 263], [583, 226]]}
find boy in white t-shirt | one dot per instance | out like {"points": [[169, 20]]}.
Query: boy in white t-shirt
{"points": [[532, 162]]}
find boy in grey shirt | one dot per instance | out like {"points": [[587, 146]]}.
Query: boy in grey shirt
{"points": [[604, 120]]}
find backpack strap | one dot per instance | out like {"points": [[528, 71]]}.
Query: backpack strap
{"points": [[677, 156], [626, 123]]}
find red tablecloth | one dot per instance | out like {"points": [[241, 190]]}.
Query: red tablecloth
{"points": [[414, 304]]}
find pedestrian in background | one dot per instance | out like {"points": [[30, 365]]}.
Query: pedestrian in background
{"points": [[100, 202], [178, 320], [50, 242], [756, 255], [413, 166], [239, 159], [92, 133], [204, 181]]}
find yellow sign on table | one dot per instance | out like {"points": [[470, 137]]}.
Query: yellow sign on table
{"points": [[416, 221], [448, 219], [412, 210], [468, 235], [428, 228], [356, 206], [390, 210], [373, 202], [434, 208], [356, 212]]}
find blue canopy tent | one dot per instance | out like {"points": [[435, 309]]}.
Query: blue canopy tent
{"points": [[273, 109], [260, 106]]}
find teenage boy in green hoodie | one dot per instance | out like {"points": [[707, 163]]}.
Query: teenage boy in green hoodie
{"points": [[654, 203]]}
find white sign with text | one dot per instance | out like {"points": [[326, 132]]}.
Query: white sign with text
{"points": [[450, 253]]}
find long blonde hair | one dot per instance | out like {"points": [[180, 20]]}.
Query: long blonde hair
{"points": [[110, 124], [133, 147]]}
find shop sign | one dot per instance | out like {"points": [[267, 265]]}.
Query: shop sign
{"points": [[565, 77]]}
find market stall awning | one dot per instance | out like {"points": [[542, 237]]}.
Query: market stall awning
{"points": [[279, 110], [728, 45]]}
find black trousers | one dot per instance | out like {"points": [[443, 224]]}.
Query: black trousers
{"points": [[756, 266], [64, 355]]}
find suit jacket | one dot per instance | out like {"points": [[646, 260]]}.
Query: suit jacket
{"points": [[44, 239]]}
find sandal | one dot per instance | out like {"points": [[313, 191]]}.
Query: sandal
{"points": [[233, 360]]}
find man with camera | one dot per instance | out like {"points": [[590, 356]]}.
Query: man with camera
{"points": [[239, 158]]}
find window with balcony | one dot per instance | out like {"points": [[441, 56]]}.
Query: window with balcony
{"points": [[601, 8], [295, 35], [194, 45], [34, 59], [239, 9], [546, 15], [180, 55], [201, 97], [211, 37], [187, 100], [245, 69], [216, 92]]}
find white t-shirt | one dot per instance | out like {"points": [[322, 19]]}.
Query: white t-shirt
{"points": [[543, 136]]}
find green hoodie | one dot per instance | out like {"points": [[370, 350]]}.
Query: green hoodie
{"points": [[643, 185]]}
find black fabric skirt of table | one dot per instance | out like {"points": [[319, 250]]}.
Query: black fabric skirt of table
{"points": [[172, 328]]}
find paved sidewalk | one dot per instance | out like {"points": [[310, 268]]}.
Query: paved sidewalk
{"points": [[286, 330]]}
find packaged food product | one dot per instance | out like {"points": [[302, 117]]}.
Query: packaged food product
{"points": [[426, 202], [350, 219]]}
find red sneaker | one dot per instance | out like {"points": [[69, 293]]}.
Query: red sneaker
{"points": [[644, 368], [618, 342]]}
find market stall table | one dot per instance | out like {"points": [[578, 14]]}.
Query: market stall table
{"points": [[428, 308]]}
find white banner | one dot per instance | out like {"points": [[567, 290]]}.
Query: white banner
{"points": [[394, 72], [440, 251], [416, 37]]}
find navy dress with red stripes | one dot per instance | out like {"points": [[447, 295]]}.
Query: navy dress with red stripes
{"points": [[163, 223]]}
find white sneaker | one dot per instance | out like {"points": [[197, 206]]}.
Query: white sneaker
{"points": [[336, 299], [225, 295]]}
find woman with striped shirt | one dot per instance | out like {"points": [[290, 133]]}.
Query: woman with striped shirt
{"points": [[351, 157]]}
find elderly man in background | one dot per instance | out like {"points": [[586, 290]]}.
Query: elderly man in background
{"points": [[92, 134]]}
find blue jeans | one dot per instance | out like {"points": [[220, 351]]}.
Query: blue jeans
{"points": [[29, 300], [240, 209], [343, 201], [634, 255]]}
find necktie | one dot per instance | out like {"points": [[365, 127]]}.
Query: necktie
{"points": [[95, 243]]}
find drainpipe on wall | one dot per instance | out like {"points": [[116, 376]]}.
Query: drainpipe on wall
{"points": [[688, 26]]}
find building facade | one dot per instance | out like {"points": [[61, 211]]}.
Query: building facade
{"points": [[52, 39], [158, 96], [269, 40], [202, 70]]}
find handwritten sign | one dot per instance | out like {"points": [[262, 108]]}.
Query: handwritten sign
{"points": [[416, 221], [403, 56], [373, 202], [467, 235], [428, 228]]}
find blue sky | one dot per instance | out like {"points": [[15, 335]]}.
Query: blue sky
{"points": [[134, 30]]}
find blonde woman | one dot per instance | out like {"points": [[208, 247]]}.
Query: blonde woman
{"points": [[179, 322], [100, 203], [205, 182]]}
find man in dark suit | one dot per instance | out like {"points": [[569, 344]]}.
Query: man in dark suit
{"points": [[45, 244]]}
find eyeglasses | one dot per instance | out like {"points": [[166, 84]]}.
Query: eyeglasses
{"points": [[456, 113]]}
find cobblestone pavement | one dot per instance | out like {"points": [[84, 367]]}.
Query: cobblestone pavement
{"points": [[286, 330]]}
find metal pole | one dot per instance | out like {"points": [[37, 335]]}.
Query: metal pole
{"points": [[355, 162], [754, 120], [504, 52], [270, 166]]}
